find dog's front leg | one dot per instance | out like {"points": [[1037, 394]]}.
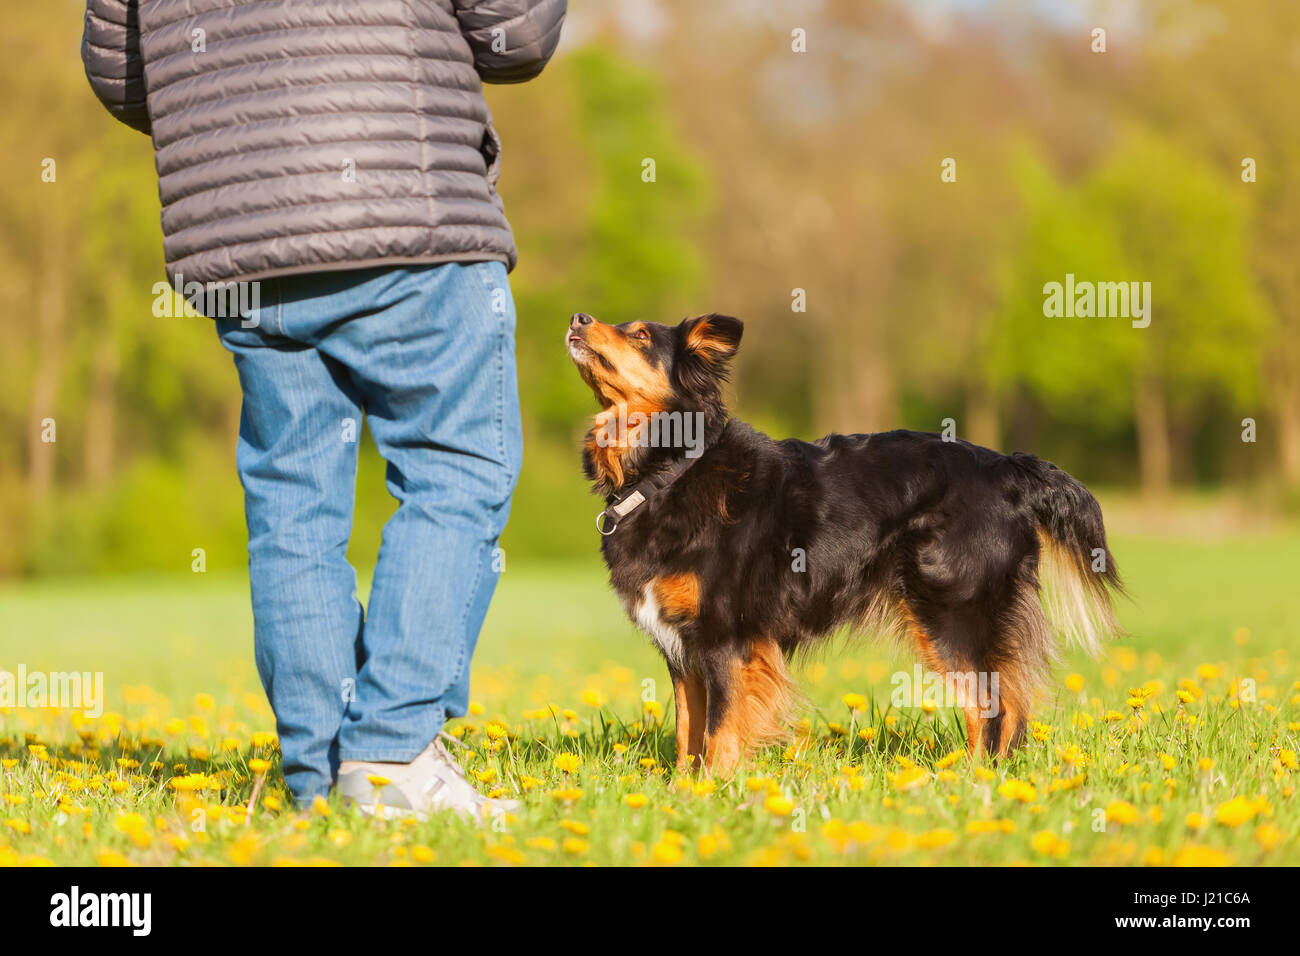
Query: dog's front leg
{"points": [[749, 702], [690, 704]]}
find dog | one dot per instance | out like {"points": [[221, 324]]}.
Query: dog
{"points": [[737, 551]]}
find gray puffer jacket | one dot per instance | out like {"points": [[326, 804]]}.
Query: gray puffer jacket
{"points": [[310, 135]]}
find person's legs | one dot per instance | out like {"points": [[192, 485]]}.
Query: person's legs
{"points": [[297, 459], [434, 365]]}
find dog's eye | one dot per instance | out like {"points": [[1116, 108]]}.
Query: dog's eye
{"points": [[641, 334]]}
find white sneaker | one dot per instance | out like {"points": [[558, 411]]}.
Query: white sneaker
{"points": [[431, 783]]}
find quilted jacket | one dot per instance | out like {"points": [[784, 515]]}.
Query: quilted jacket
{"points": [[312, 135]]}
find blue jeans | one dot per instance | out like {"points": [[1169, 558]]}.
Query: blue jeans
{"points": [[426, 353]]}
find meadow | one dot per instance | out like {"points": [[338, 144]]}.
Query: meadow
{"points": [[1177, 748]]}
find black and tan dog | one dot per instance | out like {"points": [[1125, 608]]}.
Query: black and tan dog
{"points": [[737, 552]]}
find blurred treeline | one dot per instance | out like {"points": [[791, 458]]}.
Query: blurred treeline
{"points": [[774, 171]]}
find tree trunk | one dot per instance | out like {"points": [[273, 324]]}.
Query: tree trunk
{"points": [[101, 416], [1288, 424], [854, 394], [1154, 451], [872, 403], [854, 388], [983, 424], [51, 303]]}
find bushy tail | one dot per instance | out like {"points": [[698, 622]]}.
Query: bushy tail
{"points": [[1076, 572]]}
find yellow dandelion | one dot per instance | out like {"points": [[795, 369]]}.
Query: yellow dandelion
{"points": [[1201, 856], [1121, 812], [1268, 836], [779, 806], [934, 839], [1046, 843], [908, 779], [666, 852], [1237, 811], [1018, 790], [567, 762]]}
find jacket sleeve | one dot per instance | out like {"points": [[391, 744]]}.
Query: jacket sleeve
{"points": [[110, 50], [511, 39]]}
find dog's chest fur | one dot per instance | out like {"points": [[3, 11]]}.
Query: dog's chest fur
{"points": [[649, 616], [642, 606]]}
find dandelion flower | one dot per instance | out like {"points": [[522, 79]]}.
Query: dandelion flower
{"points": [[1237, 811], [1018, 790], [567, 762], [779, 806], [1121, 812]]}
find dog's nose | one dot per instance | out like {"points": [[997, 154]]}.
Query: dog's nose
{"points": [[579, 320]]}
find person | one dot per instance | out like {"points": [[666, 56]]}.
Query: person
{"points": [[336, 163]]}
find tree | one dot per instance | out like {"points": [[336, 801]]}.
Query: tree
{"points": [[1150, 212]]}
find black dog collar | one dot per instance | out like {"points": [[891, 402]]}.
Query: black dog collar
{"points": [[641, 492]]}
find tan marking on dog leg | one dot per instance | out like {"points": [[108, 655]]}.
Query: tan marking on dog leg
{"points": [[760, 696], [689, 704]]}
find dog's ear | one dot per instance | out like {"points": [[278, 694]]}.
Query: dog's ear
{"points": [[707, 344]]}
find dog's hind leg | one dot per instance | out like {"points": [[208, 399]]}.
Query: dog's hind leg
{"points": [[689, 704], [1022, 657], [961, 645]]}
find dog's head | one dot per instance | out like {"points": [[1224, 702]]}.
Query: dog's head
{"points": [[640, 369], [651, 367]]}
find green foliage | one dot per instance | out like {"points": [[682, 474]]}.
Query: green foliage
{"points": [[1148, 213], [626, 250], [926, 298], [641, 260]]}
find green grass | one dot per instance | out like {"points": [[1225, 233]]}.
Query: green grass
{"points": [[556, 638]]}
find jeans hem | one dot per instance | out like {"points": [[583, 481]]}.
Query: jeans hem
{"points": [[394, 754], [382, 756]]}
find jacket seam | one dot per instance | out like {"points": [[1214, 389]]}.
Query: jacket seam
{"points": [[277, 177], [273, 119], [349, 265], [156, 28], [208, 74], [329, 232]]}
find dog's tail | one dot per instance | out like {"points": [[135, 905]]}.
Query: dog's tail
{"points": [[1076, 572]]}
